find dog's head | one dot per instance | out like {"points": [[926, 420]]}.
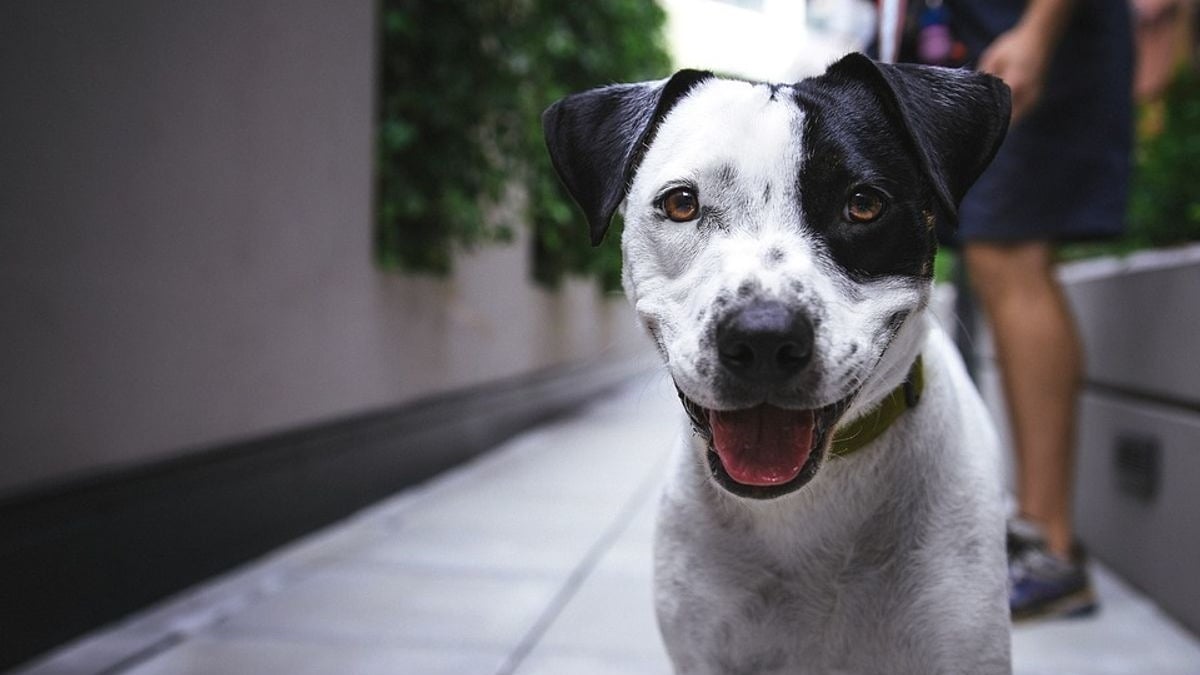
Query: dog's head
{"points": [[779, 239]]}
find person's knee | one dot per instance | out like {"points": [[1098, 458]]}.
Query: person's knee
{"points": [[1001, 270]]}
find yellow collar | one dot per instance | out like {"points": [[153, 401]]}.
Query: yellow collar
{"points": [[867, 428]]}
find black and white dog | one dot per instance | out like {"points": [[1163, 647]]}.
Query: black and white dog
{"points": [[836, 504]]}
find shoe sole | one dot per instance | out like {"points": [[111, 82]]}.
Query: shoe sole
{"points": [[1078, 604]]}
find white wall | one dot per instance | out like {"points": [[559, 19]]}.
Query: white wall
{"points": [[770, 40], [185, 240]]}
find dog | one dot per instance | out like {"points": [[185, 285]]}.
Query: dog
{"points": [[835, 504]]}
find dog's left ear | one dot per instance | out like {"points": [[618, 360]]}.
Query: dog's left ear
{"points": [[955, 119], [596, 139]]}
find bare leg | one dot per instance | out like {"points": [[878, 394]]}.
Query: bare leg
{"points": [[1041, 363]]}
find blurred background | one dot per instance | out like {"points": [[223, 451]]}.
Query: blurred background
{"points": [[263, 264]]}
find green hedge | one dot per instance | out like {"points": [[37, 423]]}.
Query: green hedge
{"points": [[463, 86], [1164, 204]]}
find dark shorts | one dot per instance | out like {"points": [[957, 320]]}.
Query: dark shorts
{"points": [[1062, 173]]}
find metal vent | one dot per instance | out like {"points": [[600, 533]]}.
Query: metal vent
{"points": [[1138, 465]]}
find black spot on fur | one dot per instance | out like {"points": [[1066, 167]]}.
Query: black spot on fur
{"points": [[868, 125], [726, 176], [712, 218], [596, 139], [850, 142]]}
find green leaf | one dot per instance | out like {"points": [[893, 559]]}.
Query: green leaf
{"points": [[463, 85]]}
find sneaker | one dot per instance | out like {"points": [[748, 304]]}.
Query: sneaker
{"points": [[1041, 585], [1021, 534]]}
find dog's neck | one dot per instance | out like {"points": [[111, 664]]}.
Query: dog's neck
{"points": [[859, 433], [893, 369]]}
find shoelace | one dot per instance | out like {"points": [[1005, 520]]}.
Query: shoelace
{"points": [[1037, 563]]}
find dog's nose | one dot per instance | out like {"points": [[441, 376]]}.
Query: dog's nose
{"points": [[765, 342]]}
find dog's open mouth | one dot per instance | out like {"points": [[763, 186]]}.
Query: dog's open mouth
{"points": [[765, 451]]}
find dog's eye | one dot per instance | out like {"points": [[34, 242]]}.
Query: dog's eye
{"points": [[864, 205], [681, 204]]}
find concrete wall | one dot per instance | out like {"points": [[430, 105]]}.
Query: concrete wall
{"points": [[185, 240]]}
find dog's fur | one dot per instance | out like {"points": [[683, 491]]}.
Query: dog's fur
{"points": [[887, 560]]}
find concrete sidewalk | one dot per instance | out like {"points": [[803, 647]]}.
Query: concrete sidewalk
{"points": [[533, 559]]}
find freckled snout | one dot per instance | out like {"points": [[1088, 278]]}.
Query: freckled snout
{"points": [[765, 342]]}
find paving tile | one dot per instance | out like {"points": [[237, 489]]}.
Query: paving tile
{"points": [[196, 607], [611, 613], [594, 459], [511, 510], [632, 552], [451, 576], [206, 656], [90, 655], [582, 663], [372, 603], [481, 546], [1129, 635]]}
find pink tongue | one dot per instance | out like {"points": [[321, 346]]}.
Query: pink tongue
{"points": [[763, 445]]}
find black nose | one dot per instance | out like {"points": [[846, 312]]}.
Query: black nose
{"points": [[765, 341]]}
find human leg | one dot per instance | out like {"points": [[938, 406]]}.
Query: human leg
{"points": [[1041, 361]]}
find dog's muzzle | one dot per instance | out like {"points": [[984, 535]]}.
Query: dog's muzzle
{"points": [[765, 450]]}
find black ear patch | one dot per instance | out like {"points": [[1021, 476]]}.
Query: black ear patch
{"points": [[955, 119], [596, 139]]}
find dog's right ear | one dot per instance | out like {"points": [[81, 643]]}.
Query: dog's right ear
{"points": [[596, 139]]}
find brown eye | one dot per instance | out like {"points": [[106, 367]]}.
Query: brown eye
{"points": [[681, 205], [864, 205]]}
